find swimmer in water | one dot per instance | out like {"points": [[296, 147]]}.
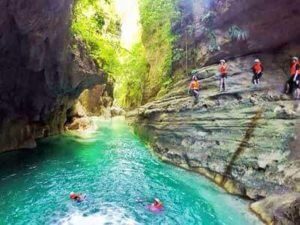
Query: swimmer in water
{"points": [[77, 197], [157, 204]]}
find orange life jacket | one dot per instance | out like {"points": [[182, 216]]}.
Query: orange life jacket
{"points": [[223, 69], [294, 68], [195, 85], [257, 68]]}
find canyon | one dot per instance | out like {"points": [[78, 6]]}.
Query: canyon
{"points": [[245, 139]]}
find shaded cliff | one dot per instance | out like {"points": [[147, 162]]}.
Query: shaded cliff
{"points": [[245, 139], [40, 74]]}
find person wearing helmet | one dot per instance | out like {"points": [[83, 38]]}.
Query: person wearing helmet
{"points": [[223, 70], [77, 197], [194, 88], [157, 203], [156, 206], [257, 70], [294, 79]]}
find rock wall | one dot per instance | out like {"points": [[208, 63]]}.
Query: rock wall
{"points": [[213, 29], [41, 72], [240, 138], [245, 139]]}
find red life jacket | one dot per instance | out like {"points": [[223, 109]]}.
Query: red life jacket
{"points": [[293, 69], [73, 196], [223, 69], [257, 68]]}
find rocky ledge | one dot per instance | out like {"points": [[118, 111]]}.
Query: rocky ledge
{"points": [[239, 138]]}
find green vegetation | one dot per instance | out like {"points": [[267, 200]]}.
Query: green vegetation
{"points": [[133, 69], [97, 24], [237, 33], [157, 37], [141, 72]]}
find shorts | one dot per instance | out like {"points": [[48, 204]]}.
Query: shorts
{"points": [[222, 76], [257, 76]]}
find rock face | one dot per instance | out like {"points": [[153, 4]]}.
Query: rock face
{"points": [[239, 139], [97, 101], [279, 210], [247, 138], [40, 75], [213, 29], [242, 135]]}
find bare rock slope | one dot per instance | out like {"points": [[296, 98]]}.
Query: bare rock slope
{"points": [[247, 138], [240, 138]]}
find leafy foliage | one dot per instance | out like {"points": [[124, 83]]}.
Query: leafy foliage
{"points": [[208, 18], [133, 69], [236, 33], [213, 44], [142, 72], [96, 23], [156, 20]]}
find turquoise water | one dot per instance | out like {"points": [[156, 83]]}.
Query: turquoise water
{"points": [[120, 177]]}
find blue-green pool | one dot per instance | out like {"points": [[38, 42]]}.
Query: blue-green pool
{"points": [[119, 176]]}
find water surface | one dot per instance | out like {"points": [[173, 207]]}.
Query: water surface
{"points": [[119, 176]]}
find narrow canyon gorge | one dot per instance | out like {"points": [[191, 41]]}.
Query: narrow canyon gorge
{"points": [[54, 77]]}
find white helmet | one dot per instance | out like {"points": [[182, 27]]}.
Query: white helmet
{"points": [[222, 61], [157, 200], [295, 58], [257, 60]]}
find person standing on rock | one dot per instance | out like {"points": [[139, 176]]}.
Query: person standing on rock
{"points": [[194, 88], [223, 70], [294, 78], [258, 70]]}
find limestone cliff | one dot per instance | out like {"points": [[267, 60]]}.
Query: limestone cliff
{"points": [[41, 72], [245, 139], [212, 29]]}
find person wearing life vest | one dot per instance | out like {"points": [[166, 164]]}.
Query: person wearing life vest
{"points": [[194, 88], [257, 70], [294, 79], [77, 197], [157, 203], [223, 70]]}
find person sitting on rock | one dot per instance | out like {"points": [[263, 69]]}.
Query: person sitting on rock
{"points": [[194, 88], [258, 70], [294, 78], [223, 70]]}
